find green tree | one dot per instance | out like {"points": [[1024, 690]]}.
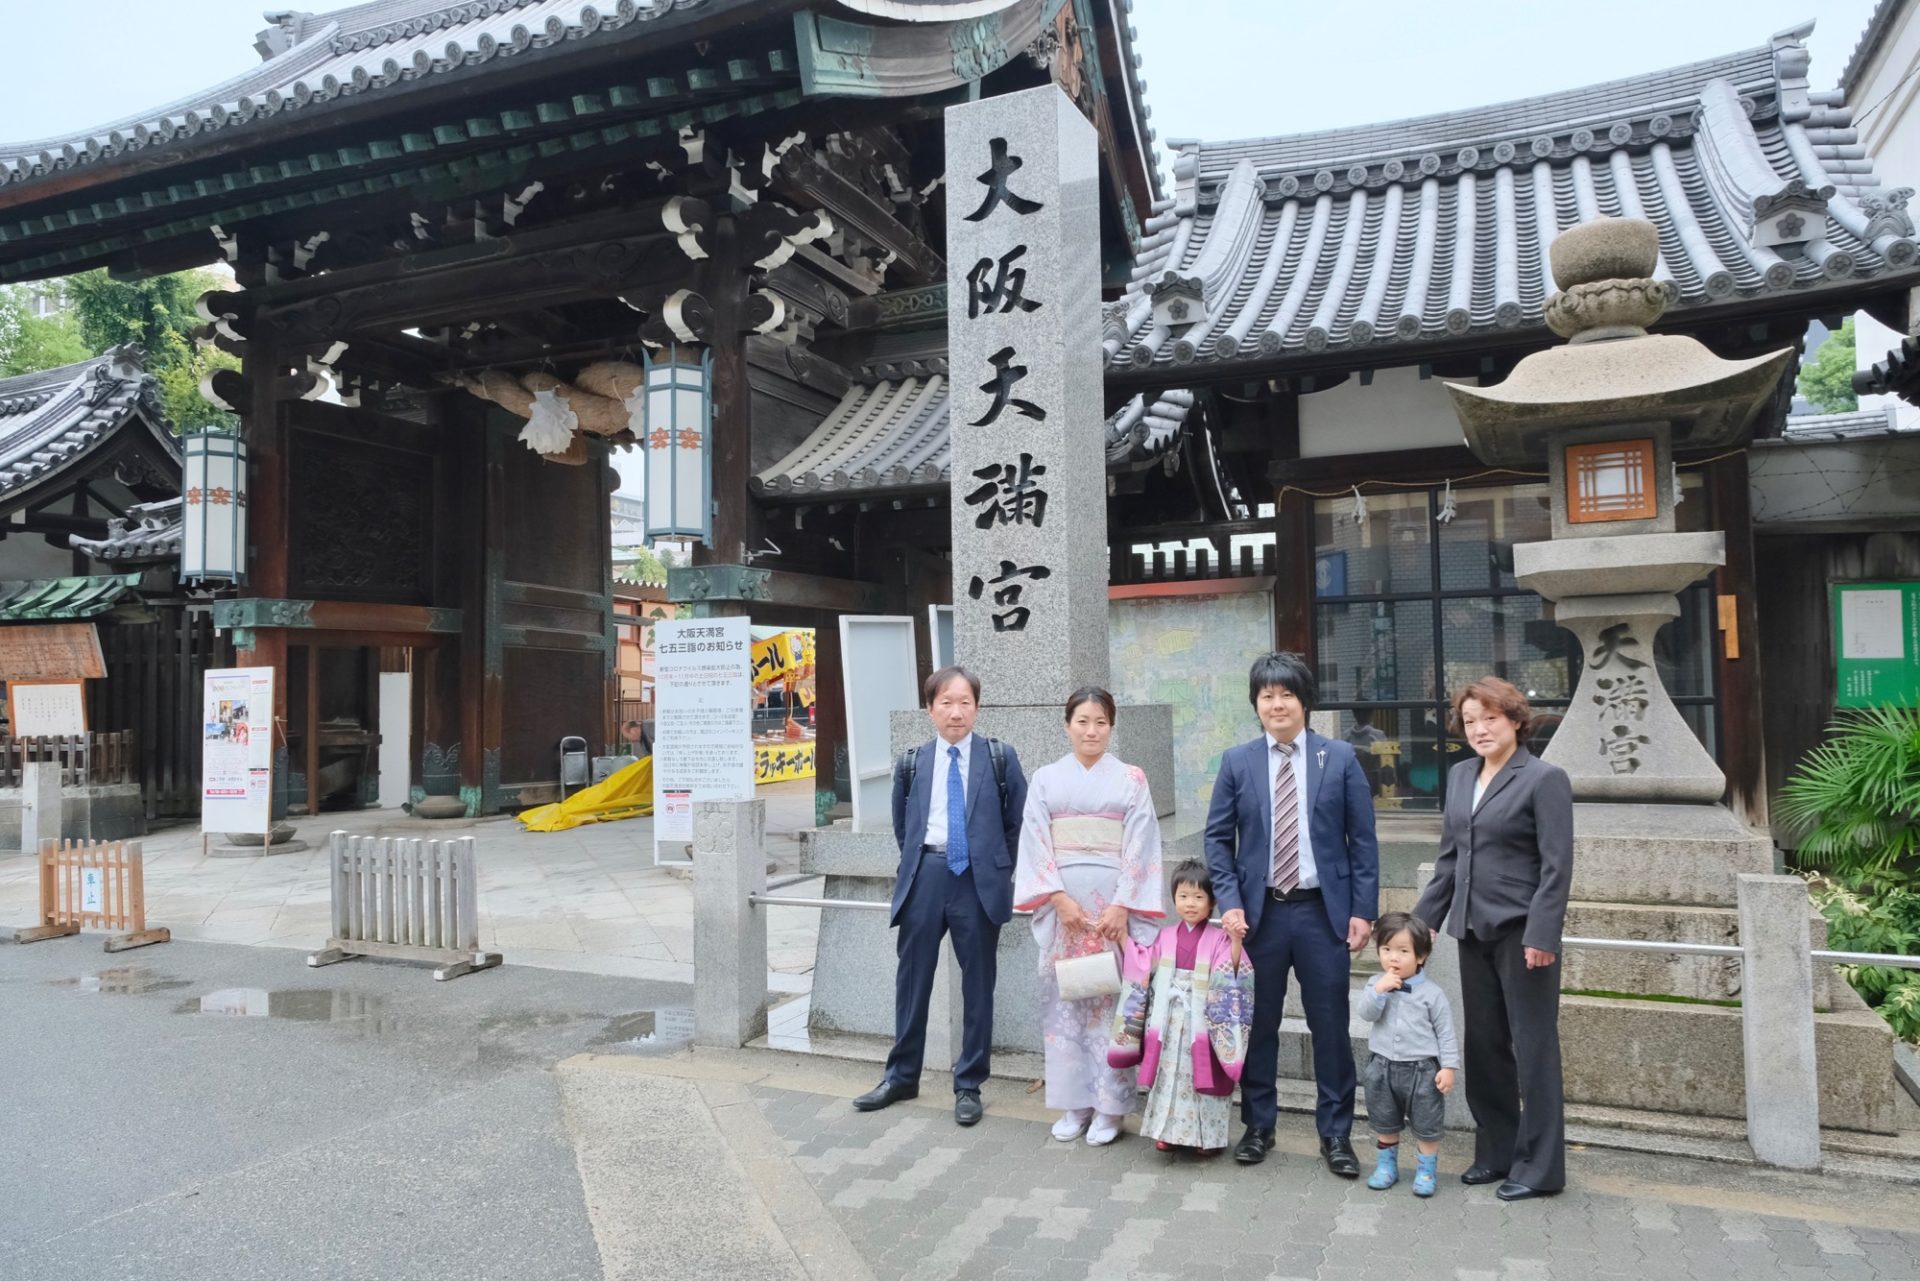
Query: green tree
{"points": [[46, 342], [646, 568], [1827, 379], [158, 313]]}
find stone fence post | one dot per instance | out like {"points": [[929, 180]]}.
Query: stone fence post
{"points": [[1443, 967], [40, 801], [1776, 1014], [729, 933]]}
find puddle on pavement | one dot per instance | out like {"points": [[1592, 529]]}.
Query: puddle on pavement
{"points": [[303, 1005], [649, 1032], [125, 980]]}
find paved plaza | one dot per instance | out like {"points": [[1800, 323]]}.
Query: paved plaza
{"points": [[586, 899], [216, 1112]]}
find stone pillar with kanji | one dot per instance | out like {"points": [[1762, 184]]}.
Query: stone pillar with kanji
{"points": [[1023, 332]]}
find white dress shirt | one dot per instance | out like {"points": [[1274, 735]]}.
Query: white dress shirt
{"points": [[937, 798], [1309, 871]]}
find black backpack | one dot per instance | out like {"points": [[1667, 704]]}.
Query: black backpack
{"points": [[908, 763]]}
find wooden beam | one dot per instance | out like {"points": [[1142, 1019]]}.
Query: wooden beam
{"points": [[804, 178], [1742, 738]]}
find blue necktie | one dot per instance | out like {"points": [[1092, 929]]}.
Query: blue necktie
{"points": [[957, 860]]}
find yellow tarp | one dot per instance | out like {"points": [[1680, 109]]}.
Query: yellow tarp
{"points": [[627, 794]]}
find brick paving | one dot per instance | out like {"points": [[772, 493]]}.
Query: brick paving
{"points": [[924, 1200]]}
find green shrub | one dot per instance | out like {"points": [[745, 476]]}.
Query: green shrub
{"points": [[1854, 802], [1861, 919]]}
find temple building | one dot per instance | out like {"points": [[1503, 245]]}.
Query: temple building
{"points": [[89, 556], [1315, 293], [481, 244]]}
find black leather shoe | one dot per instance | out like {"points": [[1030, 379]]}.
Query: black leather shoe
{"points": [[1474, 1175], [966, 1107], [884, 1095], [1338, 1154], [1254, 1146], [1511, 1191]]}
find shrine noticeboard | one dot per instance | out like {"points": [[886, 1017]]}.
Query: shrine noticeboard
{"points": [[1876, 643], [50, 652], [51, 709], [236, 760], [703, 722]]}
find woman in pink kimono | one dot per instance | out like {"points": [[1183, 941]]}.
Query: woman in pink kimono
{"points": [[1089, 868]]}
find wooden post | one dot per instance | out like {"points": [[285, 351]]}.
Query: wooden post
{"points": [[1742, 713]]}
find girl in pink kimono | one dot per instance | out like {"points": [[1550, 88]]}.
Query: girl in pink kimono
{"points": [[1190, 1035], [1089, 869]]}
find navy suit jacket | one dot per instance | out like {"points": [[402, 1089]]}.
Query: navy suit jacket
{"points": [[992, 836], [1239, 837]]}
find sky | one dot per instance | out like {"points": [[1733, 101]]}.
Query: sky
{"points": [[1214, 68]]}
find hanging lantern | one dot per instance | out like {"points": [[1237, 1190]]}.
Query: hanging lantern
{"points": [[677, 437], [213, 535]]}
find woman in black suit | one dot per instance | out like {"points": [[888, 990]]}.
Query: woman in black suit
{"points": [[1500, 886]]}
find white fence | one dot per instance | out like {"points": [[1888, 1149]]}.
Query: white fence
{"points": [[406, 898]]}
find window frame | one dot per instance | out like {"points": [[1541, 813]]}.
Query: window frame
{"points": [[1434, 595]]}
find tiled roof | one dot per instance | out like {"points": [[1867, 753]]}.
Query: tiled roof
{"points": [[1437, 228], [43, 599], [313, 59], [1880, 24], [889, 433], [1856, 424], [1897, 375], [149, 532], [51, 419]]}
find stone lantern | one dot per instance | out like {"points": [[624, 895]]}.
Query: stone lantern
{"points": [[1606, 411]]}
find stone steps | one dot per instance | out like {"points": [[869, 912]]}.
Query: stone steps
{"points": [[1680, 1058]]}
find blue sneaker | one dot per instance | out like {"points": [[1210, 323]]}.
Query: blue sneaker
{"points": [[1386, 1168], [1425, 1174]]}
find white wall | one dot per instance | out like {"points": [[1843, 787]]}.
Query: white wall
{"points": [[1399, 410], [24, 555], [1891, 135]]}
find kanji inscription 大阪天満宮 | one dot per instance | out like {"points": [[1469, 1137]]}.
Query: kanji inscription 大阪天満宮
{"points": [[1023, 330]]}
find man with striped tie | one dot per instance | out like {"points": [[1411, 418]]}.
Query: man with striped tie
{"points": [[1296, 869]]}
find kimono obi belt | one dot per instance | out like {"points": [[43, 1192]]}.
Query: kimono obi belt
{"points": [[1095, 834]]}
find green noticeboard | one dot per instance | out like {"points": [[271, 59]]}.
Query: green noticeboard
{"points": [[1876, 643]]}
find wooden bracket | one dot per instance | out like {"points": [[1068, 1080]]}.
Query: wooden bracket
{"points": [[1729, 607]]}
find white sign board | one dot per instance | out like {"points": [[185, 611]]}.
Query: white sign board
{"points": [[876, 659], [1872, 624], [54, 708], [703, 719], [236, 751], [940, 635], [93, 896]]}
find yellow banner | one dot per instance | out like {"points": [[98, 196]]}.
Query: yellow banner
{"points": [[779, 762]]}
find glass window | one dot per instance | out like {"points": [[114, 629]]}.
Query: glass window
{"points": [[1409, 609], [1390, 551], [1379, 651], [1476, 546]]}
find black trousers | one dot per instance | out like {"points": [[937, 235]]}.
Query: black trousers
{"points": [[939, 903], [1298, 937], [1512, 1057]]}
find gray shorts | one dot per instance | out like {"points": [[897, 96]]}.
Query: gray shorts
{"points": [[1402, 1095]]}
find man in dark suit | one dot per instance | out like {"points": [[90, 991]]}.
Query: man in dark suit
{"points": [[1296, 868], [957, 806]]}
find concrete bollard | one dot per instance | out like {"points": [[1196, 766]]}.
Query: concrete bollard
{"points": [[39, 804], [1443, 967], [1776, 1015], [729, 933]]}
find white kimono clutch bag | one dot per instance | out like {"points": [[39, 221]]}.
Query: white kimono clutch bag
{"points": [[1084, 977]]}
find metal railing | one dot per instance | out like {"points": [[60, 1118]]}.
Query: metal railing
{"points": [[1729, 950]]}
